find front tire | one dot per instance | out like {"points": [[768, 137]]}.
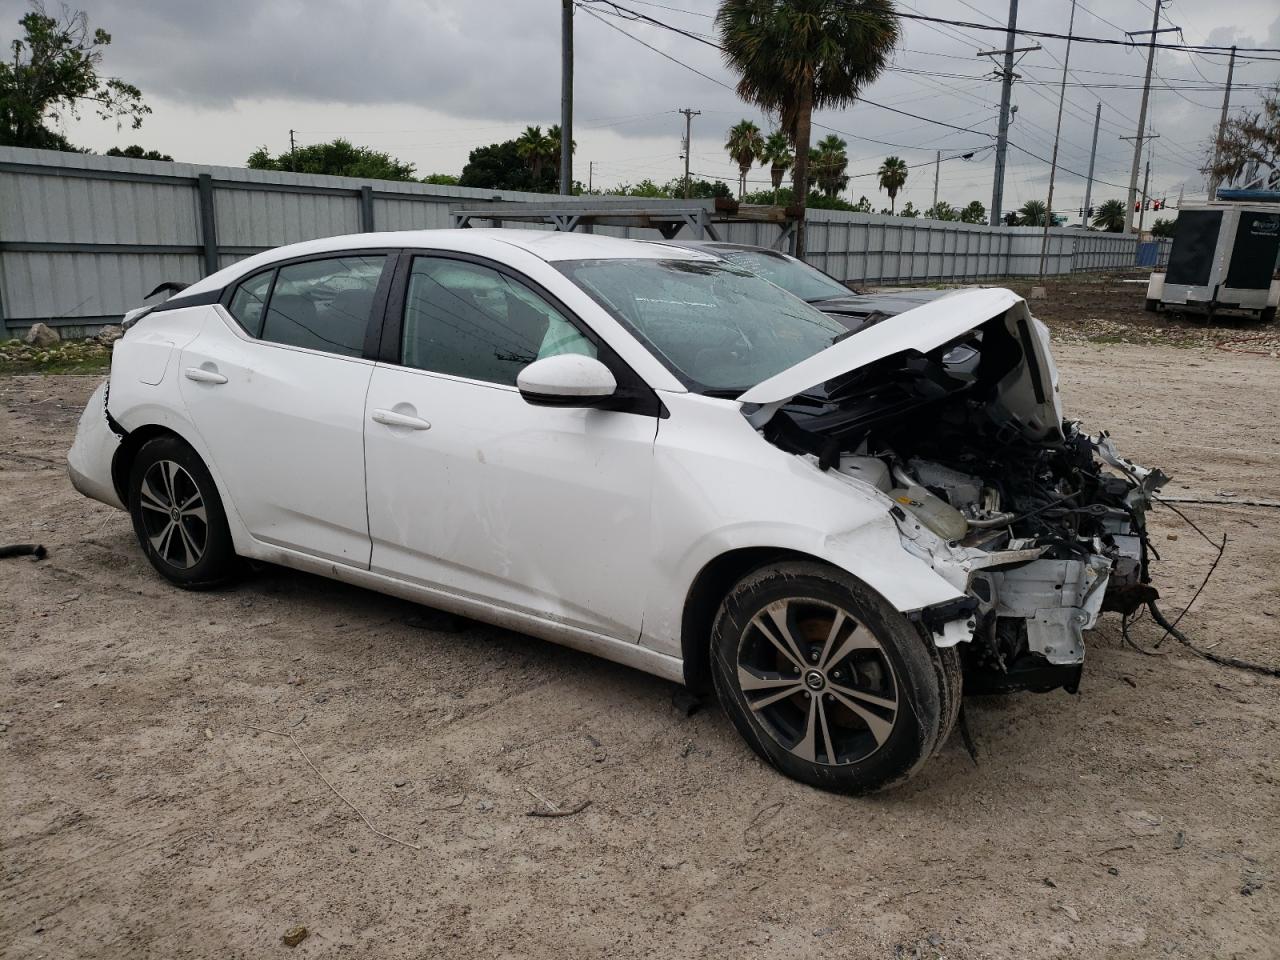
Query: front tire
{"points": [[178, 516], [827, 682]]}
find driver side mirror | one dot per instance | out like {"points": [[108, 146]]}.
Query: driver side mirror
{"points": [[566, 380]]}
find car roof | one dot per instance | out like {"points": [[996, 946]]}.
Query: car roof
{"points": [[549, 245], [714, 245]]}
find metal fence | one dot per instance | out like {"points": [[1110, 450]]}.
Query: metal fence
{"points": [[84, 238]]}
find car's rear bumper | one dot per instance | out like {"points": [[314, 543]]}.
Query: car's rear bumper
{"points": [[91, 454]]}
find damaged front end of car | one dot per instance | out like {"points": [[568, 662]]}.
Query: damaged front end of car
{"points": [[949, 414]]}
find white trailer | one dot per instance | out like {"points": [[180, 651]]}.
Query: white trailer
{"points": [[1224, 257]]}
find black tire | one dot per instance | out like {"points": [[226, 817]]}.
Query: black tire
{"points": [[1152, 305], [1267, 315], [190, 546], [879, 703]]}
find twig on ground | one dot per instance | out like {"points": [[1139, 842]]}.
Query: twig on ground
{"points": [[336, 791], [559, 813], [541, 799]]}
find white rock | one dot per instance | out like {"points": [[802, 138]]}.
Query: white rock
{"points": [[42, 336]]}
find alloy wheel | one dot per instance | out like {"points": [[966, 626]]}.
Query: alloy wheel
{"points": [[174, 518], [818, 681]]}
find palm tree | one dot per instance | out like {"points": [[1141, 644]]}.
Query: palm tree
{"points": [[1111, 216], [745, 146], [893, 177], [534, 148], [553, 145], [797, 56], [777, 153], [1031, 214], [829, 162]]}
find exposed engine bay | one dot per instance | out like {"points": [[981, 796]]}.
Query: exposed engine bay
{"points": [[1041, 525]]}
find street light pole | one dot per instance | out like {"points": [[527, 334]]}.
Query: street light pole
{"points": [[566, 97]]}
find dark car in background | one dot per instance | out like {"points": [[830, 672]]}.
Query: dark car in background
{"points": [[852, 308]]}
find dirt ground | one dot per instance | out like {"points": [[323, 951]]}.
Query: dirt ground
{"points": [[142, 818]]}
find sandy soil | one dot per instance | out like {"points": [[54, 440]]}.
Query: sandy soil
{"points": [[1140, 818]]}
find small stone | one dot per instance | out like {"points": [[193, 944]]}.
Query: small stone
{"points": [[401, 783], [484, 806], [295, 936], [1037, 293], [353, 849], [42, 336], [1113, 871], [110, 333], [208, 733], [1171, 536], [1070, 912]]}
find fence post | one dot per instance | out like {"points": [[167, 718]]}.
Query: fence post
{"points": [[208, 226], [366, 209]]}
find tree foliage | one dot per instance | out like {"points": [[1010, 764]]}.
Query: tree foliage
{"points": [[975, 212], [745, 146], [136, 152], [1031, 214], [893, 177], [1111, 216], [1249, 146], [1163, 227], [699, 189], [337, 158], [777, 153], [796, 56], [828, 161], [942, 211], [53, 74]]}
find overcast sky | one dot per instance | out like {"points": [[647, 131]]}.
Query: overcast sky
{"points": [[428, 80]]}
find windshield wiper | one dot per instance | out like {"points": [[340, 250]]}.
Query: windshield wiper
{"points": [[725, 393]]}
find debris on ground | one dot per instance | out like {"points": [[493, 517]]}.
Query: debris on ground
{"points": [[294, 936]]}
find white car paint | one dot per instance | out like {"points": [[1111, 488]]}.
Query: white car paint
{"points": [[586, 527]]}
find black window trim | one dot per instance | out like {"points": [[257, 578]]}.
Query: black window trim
{"points": [[377, 312], [634, 395]]}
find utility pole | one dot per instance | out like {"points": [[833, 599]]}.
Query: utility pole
{"points": [[1093, 154], [293, 153], [1142, 111], [688, 144], [566, 97], [1057, 134], [1142, 210], [937, 168], [1007, 77], [1222, 124], [591, 175]]}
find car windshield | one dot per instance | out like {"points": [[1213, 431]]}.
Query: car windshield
{"points": [[720, 329], [792, 275]]}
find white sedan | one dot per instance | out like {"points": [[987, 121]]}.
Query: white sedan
{"points": [[643, 452]]}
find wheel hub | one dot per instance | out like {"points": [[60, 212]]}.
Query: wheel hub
{"points": [[815, 680]]}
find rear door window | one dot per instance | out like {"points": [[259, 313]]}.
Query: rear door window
{"points": [[324, 304], [249, 302]]}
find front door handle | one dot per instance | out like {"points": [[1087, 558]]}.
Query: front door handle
{"points": [[201, 375], [393, 419]]}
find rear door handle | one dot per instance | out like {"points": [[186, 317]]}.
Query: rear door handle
{"points": [[201, 375], [393, 419]]}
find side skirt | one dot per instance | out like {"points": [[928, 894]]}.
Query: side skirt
{"points": [[609, 648]]}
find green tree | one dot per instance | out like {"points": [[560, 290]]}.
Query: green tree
{"points": [[535, 149], [52, 74], [645, 188], [553, 151], [893, 177], [777, 153], [338, 158], [975, 212], [909, 211], [942, 211], [1163, 227], [797, 56], [698, 189], [136, 152], [862, 206], [1111, 217], [444, 179], [745, 145], [1031, 214], [499, 166], [829, 161]]}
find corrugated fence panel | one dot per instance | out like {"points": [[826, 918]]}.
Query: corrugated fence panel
{"points": [[84, 238]]}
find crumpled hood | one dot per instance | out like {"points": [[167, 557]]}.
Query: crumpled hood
{"points": [[1029, 394]]}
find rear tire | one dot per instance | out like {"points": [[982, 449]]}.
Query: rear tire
{"points": [[178, 516], [1267, 315], [1152, 305], [829, 683]]}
